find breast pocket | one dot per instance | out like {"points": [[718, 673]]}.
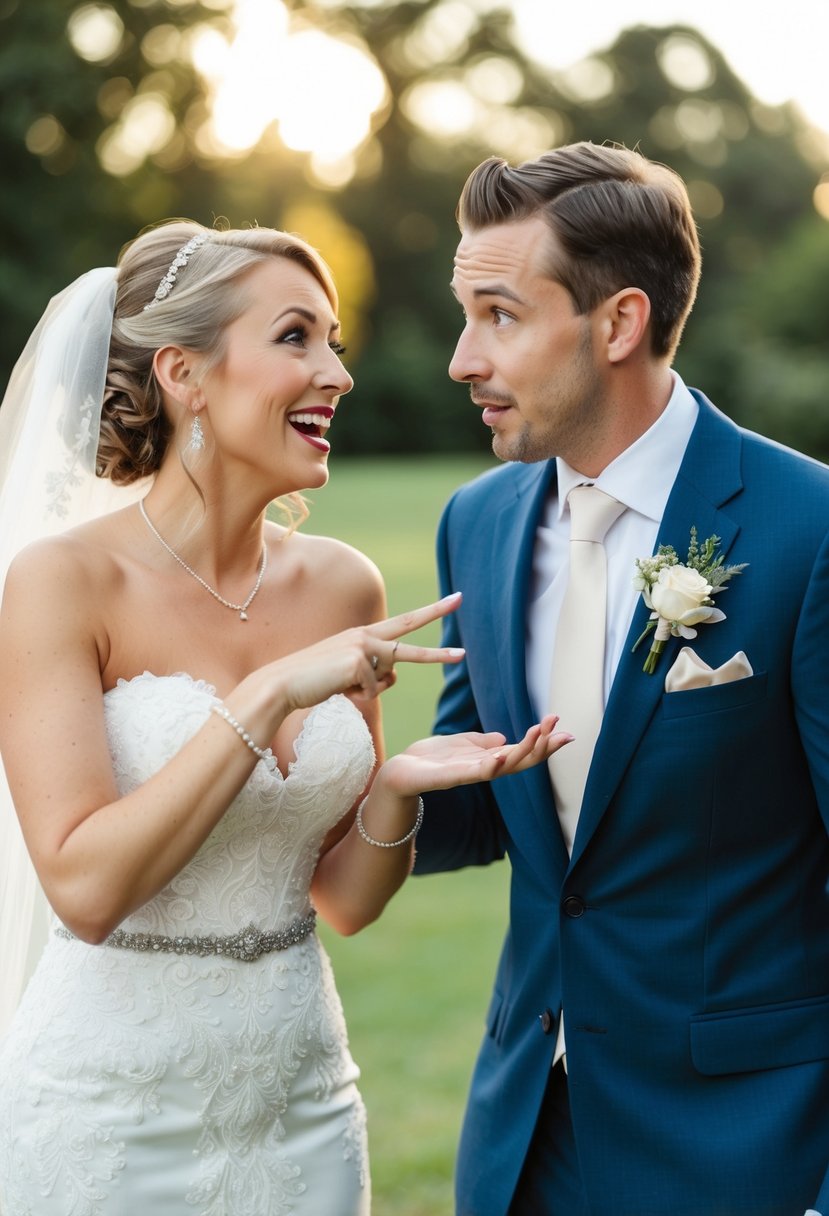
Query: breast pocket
{"points": [[718, 698]]}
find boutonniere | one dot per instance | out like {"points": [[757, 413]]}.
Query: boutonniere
{"points": [[680, 596]]}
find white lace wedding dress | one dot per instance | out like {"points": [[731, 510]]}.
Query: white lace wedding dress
{"points": [[139, 1082]]}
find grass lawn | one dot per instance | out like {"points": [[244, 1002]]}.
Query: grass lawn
{"points": [[415, 985]]}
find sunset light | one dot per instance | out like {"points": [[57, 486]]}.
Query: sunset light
{"points": [[320, 90]]}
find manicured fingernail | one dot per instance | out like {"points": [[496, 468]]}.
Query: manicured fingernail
{"points": [[456, 652]]}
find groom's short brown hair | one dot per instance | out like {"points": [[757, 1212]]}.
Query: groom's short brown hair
{"points": [[619, 219]]}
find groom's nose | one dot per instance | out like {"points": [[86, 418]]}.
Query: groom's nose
{"points": [[467, 363]]}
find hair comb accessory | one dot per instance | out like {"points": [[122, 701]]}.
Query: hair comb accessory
{"points": [[179, 261]]}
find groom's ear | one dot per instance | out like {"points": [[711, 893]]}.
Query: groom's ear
{"points": [[624, 323]]}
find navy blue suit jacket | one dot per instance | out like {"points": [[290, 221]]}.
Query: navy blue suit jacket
{"points": [[688, 935]]}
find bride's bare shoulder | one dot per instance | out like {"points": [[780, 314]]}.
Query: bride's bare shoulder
{"points": [[85, 557], [340, 569]]}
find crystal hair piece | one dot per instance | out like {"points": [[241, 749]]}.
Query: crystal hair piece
{"points": [[179, 261]]}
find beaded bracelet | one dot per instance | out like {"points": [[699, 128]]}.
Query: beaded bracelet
{"points": [[225, 713], [389, 844]]}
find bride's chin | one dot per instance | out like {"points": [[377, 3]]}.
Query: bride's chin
{"points": [[312, 479], [318, 481]]}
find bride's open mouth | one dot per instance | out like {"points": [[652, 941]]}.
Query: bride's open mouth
{"points": [[312, 424]]}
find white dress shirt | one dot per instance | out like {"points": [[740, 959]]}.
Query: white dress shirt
{"points": [[642, 478]]}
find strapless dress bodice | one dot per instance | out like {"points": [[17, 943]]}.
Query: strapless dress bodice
{"points": [[257, 864]]}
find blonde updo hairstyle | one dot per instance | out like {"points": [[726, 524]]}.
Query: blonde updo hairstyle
{"points": [[208, 295]]}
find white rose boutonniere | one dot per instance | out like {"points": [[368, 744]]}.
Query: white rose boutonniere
{"points": [[680, 596]]}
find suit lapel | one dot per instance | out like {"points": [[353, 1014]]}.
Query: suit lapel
{"points": [[513, 540], [514, 534], [708, 478]]}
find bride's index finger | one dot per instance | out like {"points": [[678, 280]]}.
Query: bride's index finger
{"points": [[407, 622]]}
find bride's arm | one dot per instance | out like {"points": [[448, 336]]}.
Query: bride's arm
{"points": [[359, 871], [358, 875], [99, 856]]}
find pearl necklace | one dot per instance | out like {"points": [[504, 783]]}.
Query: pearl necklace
{"points": [[240, 608]]}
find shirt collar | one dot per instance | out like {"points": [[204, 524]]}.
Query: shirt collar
{"points": [[642, 476]]}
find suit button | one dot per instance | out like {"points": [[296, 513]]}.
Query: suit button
{"points": [[547, 1020], [574, 906]]}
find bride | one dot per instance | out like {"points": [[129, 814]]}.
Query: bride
{"points": [[190, 730]]}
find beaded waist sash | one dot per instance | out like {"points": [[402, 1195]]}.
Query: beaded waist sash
{"points": [[247, 945]]}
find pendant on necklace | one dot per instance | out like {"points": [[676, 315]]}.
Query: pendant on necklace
{"points": [[243, 616]]}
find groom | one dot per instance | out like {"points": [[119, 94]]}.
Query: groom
{"points": [[658, 1037]]}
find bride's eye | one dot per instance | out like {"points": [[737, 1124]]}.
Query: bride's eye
{"points": [[338, 348], [295, 336]]}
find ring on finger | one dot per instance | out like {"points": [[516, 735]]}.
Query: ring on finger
{"points": [[374, 660], [394, 650]]}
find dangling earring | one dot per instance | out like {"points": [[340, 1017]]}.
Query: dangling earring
{"points": [[196, 443]]}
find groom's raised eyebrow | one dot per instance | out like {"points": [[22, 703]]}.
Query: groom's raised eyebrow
{"points": [[496, 289]]}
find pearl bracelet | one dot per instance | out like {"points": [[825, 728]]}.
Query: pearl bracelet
{"points": [[389, 844], [259, 752]]}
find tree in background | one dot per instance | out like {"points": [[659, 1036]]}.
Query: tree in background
{"points": [[111, 117]]}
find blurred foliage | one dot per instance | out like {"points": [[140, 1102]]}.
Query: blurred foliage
{"points": [[459, 88]]}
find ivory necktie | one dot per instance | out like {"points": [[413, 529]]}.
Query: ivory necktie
{"points": [[577, 684]]}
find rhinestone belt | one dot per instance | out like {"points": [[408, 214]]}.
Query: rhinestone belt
{"points": [[247, 945]]}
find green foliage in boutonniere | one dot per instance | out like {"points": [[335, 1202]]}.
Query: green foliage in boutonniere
{"points": [[680, 595]]}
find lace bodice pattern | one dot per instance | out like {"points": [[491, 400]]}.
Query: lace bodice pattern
{"points": [[227, 1086], [257, 864]]}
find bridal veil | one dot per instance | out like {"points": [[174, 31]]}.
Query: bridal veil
{"points": [[49, 427]]}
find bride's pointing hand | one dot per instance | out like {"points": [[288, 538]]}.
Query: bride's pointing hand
{"points": [[360, 662]]}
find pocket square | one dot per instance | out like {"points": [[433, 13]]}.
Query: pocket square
{"points": [[690, 671]]}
